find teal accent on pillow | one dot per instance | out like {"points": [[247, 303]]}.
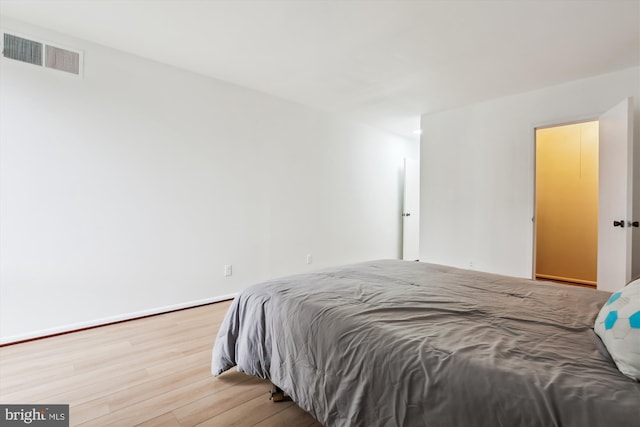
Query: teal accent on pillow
{"points": [[634, 320], [610, 320], [613, 298]]}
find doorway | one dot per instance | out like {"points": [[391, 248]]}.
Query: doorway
{"points": [[411, 211], [566, 231]]}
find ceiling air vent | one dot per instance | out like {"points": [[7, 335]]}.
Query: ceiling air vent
{"points": [[22, 49], [62, 59], [41, 53]]}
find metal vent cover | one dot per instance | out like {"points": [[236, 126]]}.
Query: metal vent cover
{"points": [[41, 53], [21, 49], [62, 59]]}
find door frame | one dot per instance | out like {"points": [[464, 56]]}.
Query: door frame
{"points": [[414, 165], [534, 128]]}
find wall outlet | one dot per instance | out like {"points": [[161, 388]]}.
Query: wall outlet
{"points": [[471, 265], [309, 259], [228, 271]]}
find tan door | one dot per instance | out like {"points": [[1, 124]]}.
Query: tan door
{"points": [[567, 203]]}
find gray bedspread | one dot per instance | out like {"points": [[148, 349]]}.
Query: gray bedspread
{"points": [[398, 343]]}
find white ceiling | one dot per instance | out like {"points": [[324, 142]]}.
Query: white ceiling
{"points": [[379, 62]]}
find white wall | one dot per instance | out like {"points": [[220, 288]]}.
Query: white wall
{"points": [[477, 172], [127, 191]]}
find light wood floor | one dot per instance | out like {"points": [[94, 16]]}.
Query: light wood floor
{"points": [[147, 372]]}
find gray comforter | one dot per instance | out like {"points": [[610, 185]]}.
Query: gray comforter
{"points": [[398, 343]]}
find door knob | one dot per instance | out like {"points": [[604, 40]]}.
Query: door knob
{"points": [[634, 224], [406, 214], [618, 223]]}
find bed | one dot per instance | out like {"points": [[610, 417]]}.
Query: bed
{"points": [[399, 343]]}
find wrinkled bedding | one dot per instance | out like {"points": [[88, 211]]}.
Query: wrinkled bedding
{"points": [[399, 343]]}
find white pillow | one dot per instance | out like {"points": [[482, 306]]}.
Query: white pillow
{"points": [[618, 325]]}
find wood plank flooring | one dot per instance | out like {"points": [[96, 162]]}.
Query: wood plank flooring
{"points": [[148, 372]]}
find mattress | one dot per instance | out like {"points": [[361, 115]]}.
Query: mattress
{"points": [[399, 343]]}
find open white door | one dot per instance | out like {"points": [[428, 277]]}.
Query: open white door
{"points": [[615, 197], [411, 210]]}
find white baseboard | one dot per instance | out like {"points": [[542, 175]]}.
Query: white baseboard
{"points": [[113, 319]]}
